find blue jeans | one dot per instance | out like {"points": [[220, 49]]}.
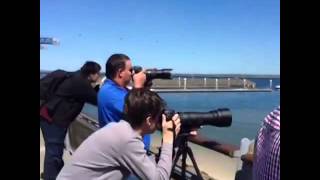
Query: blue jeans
{"points": [[53, 136]]}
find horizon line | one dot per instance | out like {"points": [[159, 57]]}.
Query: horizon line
{"points": [[196, 74]]}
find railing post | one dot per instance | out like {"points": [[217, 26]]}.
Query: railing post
{"points": [[179, 82], [270, 83], [216, 83], [205, 82], [228, 82], [185, 83]]}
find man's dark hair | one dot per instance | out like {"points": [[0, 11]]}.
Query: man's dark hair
{"points": [[114, 63], [141, 103], [90, 67]]}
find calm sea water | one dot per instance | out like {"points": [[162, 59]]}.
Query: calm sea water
{"points": [[248, 110]]}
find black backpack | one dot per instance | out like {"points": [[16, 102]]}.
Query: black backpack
{"points": [[50, 83]]}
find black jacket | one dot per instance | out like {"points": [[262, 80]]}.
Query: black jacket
{"points": [[69, 99]]}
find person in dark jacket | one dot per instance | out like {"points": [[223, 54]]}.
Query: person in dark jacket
{"points": [[57, 114]]}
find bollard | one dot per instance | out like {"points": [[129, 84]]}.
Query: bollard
{"points": [[205, 82], [216, 83]]}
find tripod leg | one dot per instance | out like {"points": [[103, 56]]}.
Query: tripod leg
{"points": [[190, 153], [183, 167], [176, 159]]}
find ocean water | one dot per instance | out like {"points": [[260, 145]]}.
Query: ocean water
{"points": [[248, 111]]}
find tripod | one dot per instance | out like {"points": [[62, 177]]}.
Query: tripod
{"points": [[185, 150]]}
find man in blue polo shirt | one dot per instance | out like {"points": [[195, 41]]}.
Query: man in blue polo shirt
{"points": [[112, 94]]}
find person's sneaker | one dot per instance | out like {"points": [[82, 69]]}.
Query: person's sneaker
{"points": [[42, 175]]}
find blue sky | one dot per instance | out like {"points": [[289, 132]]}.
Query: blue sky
{"points": [[190, 36]]}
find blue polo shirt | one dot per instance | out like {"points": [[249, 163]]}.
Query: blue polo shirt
{"points": [[111, 99]]}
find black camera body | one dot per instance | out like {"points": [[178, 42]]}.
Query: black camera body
{"points": [[221, 117], [154, 73]]}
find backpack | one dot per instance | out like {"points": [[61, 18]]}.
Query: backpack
{"points": [[50, 83]]}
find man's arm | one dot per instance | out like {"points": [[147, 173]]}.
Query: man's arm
{"points": [[134, 158], [85, 92]]}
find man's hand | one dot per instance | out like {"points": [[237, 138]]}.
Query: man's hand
{"points": [[168, 128], [139, 79], [99, 82]]}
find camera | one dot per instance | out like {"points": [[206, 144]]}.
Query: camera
{"points": [[154, 73], [190, 121], [221, 117]]}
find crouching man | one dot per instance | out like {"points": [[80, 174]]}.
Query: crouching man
{"points": [[117, 150]]}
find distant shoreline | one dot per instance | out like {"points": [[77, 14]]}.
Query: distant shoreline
{"points": [[197, 75]]}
